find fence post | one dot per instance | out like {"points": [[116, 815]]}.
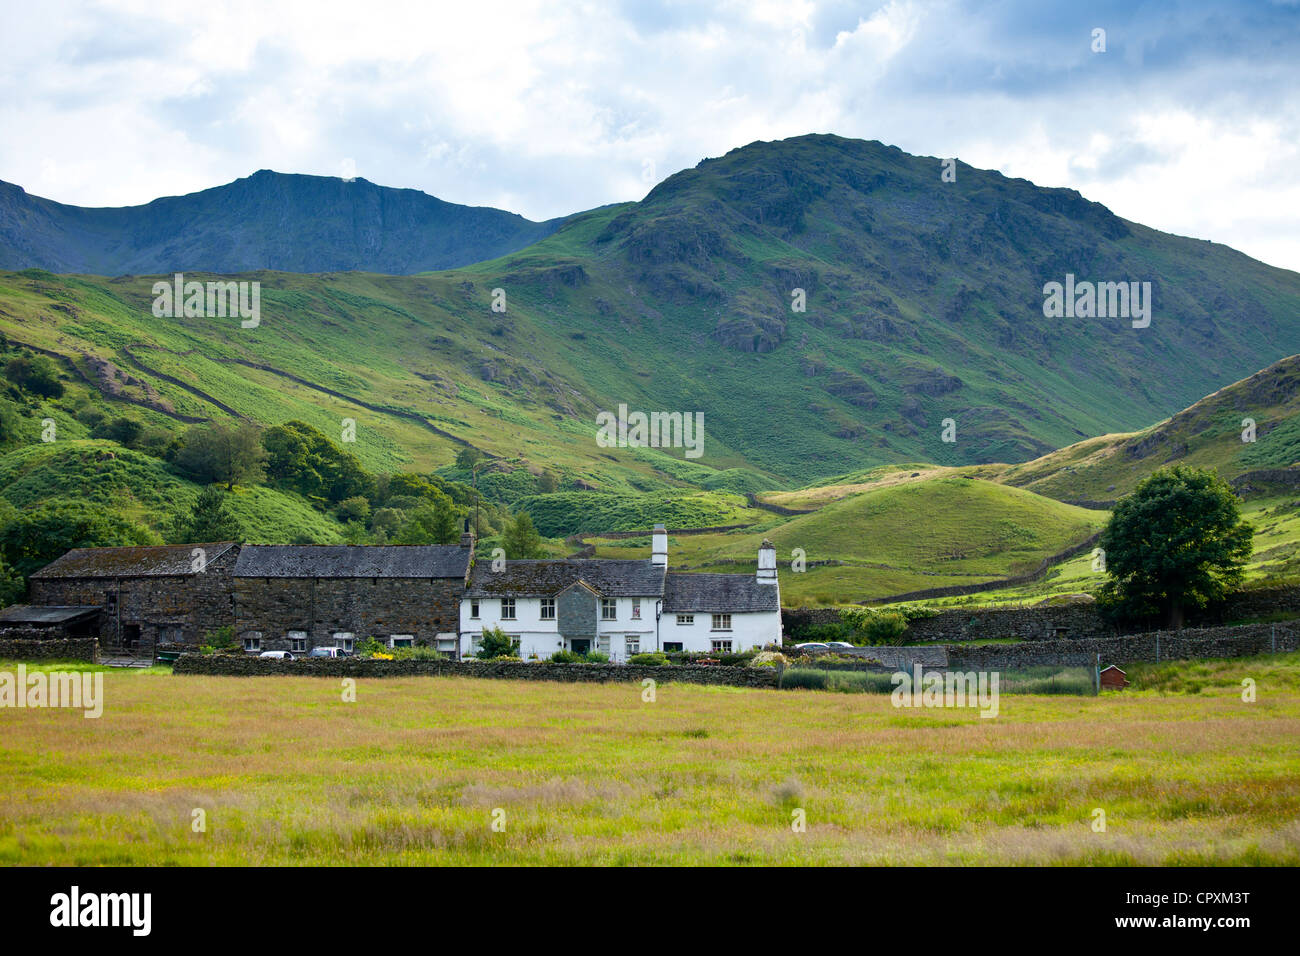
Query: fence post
{"points": [[1096, 677]]}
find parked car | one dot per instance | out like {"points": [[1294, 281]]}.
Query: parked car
{"points": [[813, 646], [325, 652], [839, 644], [278, 655]]}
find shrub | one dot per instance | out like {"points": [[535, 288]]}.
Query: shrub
{"points": [[371, 648], [567, 657], [652, 659], [495, 643], [768, 659]]}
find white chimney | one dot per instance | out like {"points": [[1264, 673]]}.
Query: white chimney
{"points": [[659, 547], [767, 563]]}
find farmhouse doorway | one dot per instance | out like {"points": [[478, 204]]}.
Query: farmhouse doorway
{"points": [[580, 645]]}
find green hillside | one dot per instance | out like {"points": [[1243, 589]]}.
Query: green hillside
{"points": [[1208, 434]]}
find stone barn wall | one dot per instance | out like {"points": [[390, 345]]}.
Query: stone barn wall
{"points": [[178, 609], [363, 607]]}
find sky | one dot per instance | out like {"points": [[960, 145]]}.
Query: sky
{"points": [[1188, 121]]}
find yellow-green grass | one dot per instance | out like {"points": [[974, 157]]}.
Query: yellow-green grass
{"points": [[287, 773]]}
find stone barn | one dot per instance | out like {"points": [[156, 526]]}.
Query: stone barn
{"points": [[298, 597], [169, 594], [50, 623]]}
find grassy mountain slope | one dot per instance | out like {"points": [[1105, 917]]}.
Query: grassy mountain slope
{"points": [[265, 221], [1208, 434]]}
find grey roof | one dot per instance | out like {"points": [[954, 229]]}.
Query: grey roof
{"points": [[26, 614], [545, 578], [352, 561], [134, 562], [718, 594]]}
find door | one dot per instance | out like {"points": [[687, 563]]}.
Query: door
{"points": [[581, 645]]}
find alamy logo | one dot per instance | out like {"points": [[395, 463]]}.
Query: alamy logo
{"points": [[73, 909], [653, 430], [213, 300], [946, 689], [79, 691], [1099, 300]]}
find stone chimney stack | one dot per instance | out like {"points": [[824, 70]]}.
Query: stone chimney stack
{"points": [[659, 547], [767, 563], [467, 536]]}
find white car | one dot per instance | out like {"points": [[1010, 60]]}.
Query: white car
{"points": [[278, 655], [839, 644], [813, 646]]}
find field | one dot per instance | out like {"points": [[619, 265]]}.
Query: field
{"points": [[412, 772]]}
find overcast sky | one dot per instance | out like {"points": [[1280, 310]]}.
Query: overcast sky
{"points": [[1188, 122]]}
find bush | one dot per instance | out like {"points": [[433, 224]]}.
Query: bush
{"points": [[768, 659], [652, 659], [495, 643], [372, 648], [567, 657]]}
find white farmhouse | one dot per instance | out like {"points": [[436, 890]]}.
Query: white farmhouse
{"points": [[620, 607]]}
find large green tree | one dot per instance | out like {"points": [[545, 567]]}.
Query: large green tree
{"points": [[1177, 542], [208, 520], [222, 452], [435, 522], [300, 457], [520, 540]]}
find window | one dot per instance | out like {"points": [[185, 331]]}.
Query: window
{"points": [[473, 609], [401, 640], [446, 643], [636, 609], [671, 647], [608, 609], [602, 645], [548, 609], [721, 622], [633, 645], [253, 641], [685, 619], [343, 640], [297, 641], [507, 609], [721, 647]]}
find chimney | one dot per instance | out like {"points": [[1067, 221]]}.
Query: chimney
{"points": [[767, 563], [659, 547], [467, 536]]}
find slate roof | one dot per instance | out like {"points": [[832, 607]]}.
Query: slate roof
{"points": [[63, 614], [718, 594], [135, 562], [352, 561], [545, 578]]}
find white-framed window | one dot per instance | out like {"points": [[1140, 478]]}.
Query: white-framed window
{"points": [[548, 609], [608, 609], [401, 640], [602, 645], [343, 640], [253, 641], [473, 609], [683, 619], [507, 609], [721, 622], [297, 641], [633, 645], [722, 647], [636, 609], [446, 643]]}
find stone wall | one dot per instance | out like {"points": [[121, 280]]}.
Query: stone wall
{"points": [[1044, 622], [251, 666], [363, 607], [1242, 641], [178, 609], [37, 648]]}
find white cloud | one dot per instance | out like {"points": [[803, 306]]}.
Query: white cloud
{"points": [[551, 107]]}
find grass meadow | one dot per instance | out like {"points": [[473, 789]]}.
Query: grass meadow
{"points": [[286, 772]]}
